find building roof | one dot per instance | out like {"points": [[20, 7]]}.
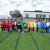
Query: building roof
{"points": [[37, 11]]}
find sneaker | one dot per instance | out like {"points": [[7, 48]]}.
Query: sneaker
{"points": [[6, 31], [22, 32], [30, 31]]}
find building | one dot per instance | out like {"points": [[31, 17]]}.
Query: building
{"points": [[37, 14]]}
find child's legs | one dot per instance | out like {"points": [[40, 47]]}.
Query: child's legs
{"points": [[6, 29], [35, 29], [2, 29], [38, 29], [47, 29], [15, 28], [10, 28], [30, 29], [18, 29], [22, 29], [26, 29]]}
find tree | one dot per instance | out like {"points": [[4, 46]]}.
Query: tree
{"points": [[15, 13]]}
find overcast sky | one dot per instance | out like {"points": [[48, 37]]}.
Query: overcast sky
{"points": [[29, 5]]}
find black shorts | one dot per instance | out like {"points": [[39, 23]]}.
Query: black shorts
{"points": [[44, 28], [16, 25], [19, 27], [25, 27], [2, 28]]}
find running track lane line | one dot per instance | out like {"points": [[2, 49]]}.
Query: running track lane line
{"points": [[45, 36], [17, 41], [34, 41], [4, 38]]}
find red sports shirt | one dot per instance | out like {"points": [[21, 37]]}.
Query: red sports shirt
{"points": [[6, 24], [10, 23], [2, 24]]}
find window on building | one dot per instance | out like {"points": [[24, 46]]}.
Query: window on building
{"points": [[37, 15], [40, 15], [27, 15], [49, 16], [44, 15]]}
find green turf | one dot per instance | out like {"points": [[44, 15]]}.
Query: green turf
{"points": [[2, 35], [42, 42], [47, 34], [25, 41], [10, 42]]}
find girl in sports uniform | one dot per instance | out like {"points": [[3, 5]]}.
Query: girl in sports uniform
{"points": [[31, 26], [39, 25], [35, 26]]}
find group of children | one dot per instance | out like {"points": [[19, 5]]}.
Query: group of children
{"points": [[25, 25]]}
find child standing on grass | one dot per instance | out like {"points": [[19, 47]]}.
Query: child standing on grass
{"points": [[26, 24], [31, 26], [39, 25], [2, 26], [19, 26], [35, 26], [42, 27], [15, 25], [6, 25], [47, 25], [10, 25], [22, 25]]}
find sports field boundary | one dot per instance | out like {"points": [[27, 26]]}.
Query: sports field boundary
{"points": [[5, 37], [17, 41], [34, 41], [45, 36]]}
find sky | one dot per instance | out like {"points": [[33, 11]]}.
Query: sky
{"points": [[23, 5]]}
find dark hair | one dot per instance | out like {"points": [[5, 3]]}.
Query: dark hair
{"points": [[39, 20]]}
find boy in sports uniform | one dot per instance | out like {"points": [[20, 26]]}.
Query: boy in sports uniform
{"points": [[42, 27], [19, 26], [13, 24], [2, 26], [10, 25], [6, 25], [22, 25], [26, 24], [44, 24]]}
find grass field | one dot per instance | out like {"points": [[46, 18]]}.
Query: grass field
{"points": [[24, 41]]}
